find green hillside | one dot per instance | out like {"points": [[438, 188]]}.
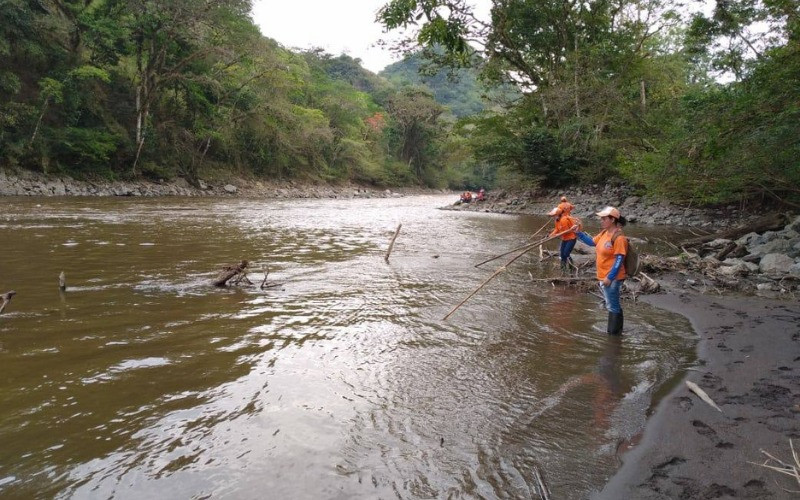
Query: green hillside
{"points": [[460, 92]]}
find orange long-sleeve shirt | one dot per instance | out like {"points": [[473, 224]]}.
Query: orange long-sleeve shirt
{"points": [[606, 252], [562, 224]]}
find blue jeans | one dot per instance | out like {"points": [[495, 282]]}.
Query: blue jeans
{"points": [[611, 296], [566, 248]]}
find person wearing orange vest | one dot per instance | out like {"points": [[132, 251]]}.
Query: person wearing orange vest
{"points": [[611, 246], [564, 223], [565, 206]]}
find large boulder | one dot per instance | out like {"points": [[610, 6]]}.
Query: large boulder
{"points": [[631, 200], [778, 245], [775, 263], [794, 225]]}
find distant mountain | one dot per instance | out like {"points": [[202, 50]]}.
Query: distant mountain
{"points": [[462, 95]]}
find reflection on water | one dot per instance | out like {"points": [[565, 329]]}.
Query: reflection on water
{"points": [[141, 380]]}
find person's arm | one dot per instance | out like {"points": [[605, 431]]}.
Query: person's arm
{"points": [[585, 238], [612, 275]]}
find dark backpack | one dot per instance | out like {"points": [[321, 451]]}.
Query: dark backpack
{"points": [[631, 261]]}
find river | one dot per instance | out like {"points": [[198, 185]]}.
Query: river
{"points": [[142, 381]]}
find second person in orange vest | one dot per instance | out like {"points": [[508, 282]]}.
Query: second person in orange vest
{"points": [[565, 206], [564, 222]]}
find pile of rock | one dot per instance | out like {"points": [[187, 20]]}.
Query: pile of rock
{"points": [[774, 254], [765, 263], [590, 199]]}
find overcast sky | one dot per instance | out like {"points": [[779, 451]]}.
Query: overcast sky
{"points": [[337, 27]]}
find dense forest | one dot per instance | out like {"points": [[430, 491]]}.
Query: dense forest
{"points": [[698, 106], [697, 101], [191, 88]]}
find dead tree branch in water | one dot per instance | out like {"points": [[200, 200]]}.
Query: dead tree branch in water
{"points": [[265, 285], [230, 272], [6, 298]]}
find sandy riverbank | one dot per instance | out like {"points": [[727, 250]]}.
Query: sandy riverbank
{"points": [[748, 356]]}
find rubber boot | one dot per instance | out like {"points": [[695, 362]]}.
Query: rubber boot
{"points": [[564, 268], [615, 321]]}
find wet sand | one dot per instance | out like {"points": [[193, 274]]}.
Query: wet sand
{"points": [[749, 364]]}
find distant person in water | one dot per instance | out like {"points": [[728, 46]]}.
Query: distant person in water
{"points": [[481, 195], [611, 246], [466, 197], [565, 222]]}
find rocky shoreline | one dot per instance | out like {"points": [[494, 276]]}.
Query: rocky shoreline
{"points": [[590, 199], [26, 183]]}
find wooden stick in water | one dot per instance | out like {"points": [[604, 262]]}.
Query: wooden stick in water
{"points": [[515, 249], [539, 231], [62, 281], [391, 243], [543, 490], [503, 268]]}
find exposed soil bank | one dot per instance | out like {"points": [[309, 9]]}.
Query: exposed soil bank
{"points": [[26, 183], [748, 364]]}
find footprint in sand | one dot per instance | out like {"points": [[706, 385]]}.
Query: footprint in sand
{"points": [[685, 403], [703, 429]]}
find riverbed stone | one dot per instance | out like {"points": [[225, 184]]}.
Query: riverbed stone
{"points": [[775, 263], [719, 243], [794, 225], [747, 239], [738, 269], [773, 246], [230, 188]]}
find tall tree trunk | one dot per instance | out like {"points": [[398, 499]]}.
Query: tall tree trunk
{"points": [[577, 102], [142, 111], [39, 121], [643, 95]]}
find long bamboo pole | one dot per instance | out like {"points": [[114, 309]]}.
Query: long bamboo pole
{"points": [[515, 249], [539, 231], [503, 268]]}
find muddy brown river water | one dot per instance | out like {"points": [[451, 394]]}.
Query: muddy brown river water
{"points": [[142, 381]]}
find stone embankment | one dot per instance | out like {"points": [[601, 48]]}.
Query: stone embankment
{"points": [[764, 262], [588, 200], [34, 184]]}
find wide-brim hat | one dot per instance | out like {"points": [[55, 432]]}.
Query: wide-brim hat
{"points": [[608, 212], [555, 211]]}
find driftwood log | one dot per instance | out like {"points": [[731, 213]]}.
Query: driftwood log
{"points": [[6, 298], [229, 272], [770, 222]]}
